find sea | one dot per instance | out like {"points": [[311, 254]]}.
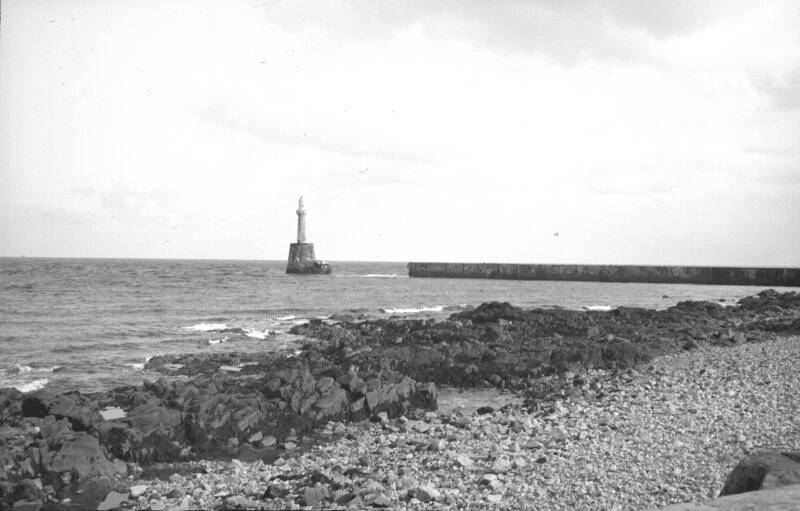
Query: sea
{"points": [[91, 324]]}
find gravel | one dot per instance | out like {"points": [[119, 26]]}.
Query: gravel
{"points": [[668, 433]]}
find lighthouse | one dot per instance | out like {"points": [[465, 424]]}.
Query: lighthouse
{"points": [[301, 221], [301, 254]]}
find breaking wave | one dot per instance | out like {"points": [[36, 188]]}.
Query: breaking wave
{"points": [[413, 310], [32, 385], [207, 327], [604, 308]]}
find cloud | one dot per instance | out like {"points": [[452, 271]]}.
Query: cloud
{"points": [[783, 91], [568, 32], [308, 136]]}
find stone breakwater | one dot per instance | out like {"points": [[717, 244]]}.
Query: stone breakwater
{"points": [[254, 407], [611, 273]]}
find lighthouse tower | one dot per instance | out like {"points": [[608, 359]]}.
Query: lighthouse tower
{"points": [[301, 254]]}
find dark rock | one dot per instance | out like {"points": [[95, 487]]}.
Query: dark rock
{"points": [[276, 492], [483, 410], [490, 312], [315, 495], [762, 471], [85, 457], [690, 345], [176, 493]]}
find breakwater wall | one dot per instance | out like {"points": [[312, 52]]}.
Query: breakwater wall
{"points": [[611, 273]]}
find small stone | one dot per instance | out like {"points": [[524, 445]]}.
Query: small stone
{"points": [[255, 437], [486, 479], [175, 478], [176, 493], [315, 495], [380, 500], [437, 445], [464, 461], [276, 492], [501, 466], [268, 441], [427, 493], [156, 505]]}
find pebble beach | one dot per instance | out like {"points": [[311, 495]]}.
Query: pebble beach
{"points": [[644, 438]]}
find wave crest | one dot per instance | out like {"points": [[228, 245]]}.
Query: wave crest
{"points": [[207, 327]]}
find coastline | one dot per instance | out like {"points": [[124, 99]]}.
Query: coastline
{"points": [[667, 435], [604, 398]]}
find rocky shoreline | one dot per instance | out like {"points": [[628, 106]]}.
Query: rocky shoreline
{"points": [[623, 409]]}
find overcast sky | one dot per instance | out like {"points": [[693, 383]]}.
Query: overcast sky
{"points": [[639, 131]]}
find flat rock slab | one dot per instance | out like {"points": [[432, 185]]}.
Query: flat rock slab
{"points": [[469, 400], [786, 498]]}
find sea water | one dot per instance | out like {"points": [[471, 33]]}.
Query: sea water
{"points": [[91, 324]]}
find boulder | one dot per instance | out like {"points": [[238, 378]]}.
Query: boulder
{"points": [[763, 471], [85, 457], [150, 418]]}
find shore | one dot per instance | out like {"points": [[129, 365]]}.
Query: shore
{"points": [[622, 409], [669, 434]]}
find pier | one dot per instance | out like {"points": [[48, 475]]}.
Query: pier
{"points": [[723, 275]]}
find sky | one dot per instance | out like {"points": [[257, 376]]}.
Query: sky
{"points": [[539, 131]]}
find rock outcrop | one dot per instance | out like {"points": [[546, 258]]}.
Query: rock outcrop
{"points": [[763, 471]]}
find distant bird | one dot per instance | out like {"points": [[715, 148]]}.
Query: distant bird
{"points": [[555, 234]]}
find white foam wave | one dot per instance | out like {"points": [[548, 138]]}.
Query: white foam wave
{"points": [[258, 334], [207, 327], [139, 366], [255, 334], [380, 275], [31, 386], [412, 310], [218, 341], [598, 307], [286, 318], [25, 369]]}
